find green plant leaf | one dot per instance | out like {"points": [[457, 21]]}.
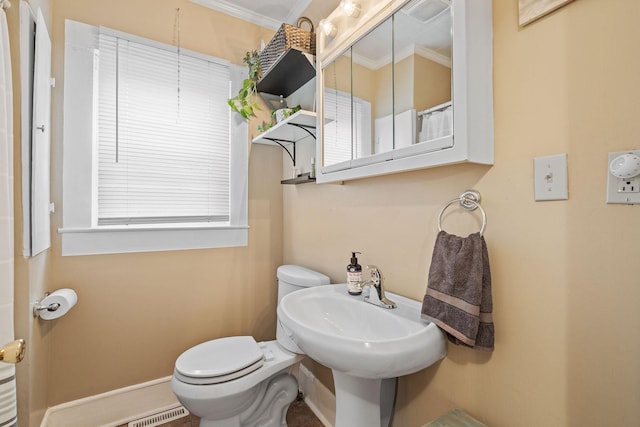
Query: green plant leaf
{"points": [[232, 104], [242, 103]]}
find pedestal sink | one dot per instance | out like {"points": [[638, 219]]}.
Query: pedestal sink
{"points": [[367, 347]]}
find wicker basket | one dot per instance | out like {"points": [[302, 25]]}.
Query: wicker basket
{"points": [[288, 37]]}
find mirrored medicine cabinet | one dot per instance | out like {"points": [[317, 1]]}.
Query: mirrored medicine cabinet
{"points": [[404, 85]]}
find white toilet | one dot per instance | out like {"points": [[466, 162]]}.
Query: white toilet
{"points": [[236, 382]]}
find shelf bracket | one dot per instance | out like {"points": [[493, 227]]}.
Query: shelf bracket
{"points": [[281, 143], [304, 128]]}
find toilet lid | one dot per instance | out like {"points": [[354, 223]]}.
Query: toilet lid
{"points": [[219, 360]]}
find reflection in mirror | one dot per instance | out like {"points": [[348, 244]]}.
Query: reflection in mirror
{"points": [[337, 111], [392, 88], [373, 84], [400, 57], [422, 72]]}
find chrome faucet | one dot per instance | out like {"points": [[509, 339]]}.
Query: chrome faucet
{"points": [[376, 281]]}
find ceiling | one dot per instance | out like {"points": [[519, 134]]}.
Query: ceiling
{"points": [[429, 37], [424, 26], [266, 13]]}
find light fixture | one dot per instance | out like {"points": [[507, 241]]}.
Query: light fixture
{"points": [[351, 8], [328, 28]]}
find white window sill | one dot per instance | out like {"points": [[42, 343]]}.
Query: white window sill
{"points": [[127, 239]]}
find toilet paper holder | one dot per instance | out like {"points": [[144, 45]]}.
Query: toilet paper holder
{"points": [[37, 308], [55, 304]]}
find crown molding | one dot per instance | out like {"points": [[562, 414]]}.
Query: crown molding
{"points": [[256, 18], [400, 55]]}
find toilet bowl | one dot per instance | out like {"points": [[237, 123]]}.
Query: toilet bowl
{"points": [[238, 382]]}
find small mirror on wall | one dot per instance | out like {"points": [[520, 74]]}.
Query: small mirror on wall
{"points": [[36, 129]]}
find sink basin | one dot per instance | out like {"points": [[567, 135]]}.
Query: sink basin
{"points": [[362, 344], [345, 333]]}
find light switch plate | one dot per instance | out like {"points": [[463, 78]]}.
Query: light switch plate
{"points": [[550, 178], [619, 190]]}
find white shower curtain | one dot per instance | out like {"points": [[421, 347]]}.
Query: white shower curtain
{"points": [[8, 415]]}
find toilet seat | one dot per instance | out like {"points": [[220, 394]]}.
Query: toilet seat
{"points": [[219, 360]]}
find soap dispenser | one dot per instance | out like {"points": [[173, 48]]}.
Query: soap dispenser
{"points": [[354, 275]]}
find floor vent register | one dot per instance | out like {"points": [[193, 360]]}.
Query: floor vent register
{"points": [[161, 418]]}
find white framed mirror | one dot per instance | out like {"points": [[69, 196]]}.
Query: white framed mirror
{"points": [[405, 85]]}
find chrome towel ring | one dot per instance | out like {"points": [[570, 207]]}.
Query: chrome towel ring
{"points": [[469, 200]]}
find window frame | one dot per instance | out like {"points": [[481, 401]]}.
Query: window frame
{"points": [[80, 233]]}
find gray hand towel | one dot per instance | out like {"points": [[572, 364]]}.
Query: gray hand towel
{"points": [[458, 296]]}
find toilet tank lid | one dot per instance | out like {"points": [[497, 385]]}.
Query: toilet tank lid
{"points": [[301, 276]]}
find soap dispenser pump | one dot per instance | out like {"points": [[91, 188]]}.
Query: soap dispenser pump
{"points": [[354, 275]]}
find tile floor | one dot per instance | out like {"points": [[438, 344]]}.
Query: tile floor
{"points": [[298, 415]]}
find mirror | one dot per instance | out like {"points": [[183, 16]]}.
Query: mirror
{"points": [[390, 89], [372, 71], [337, 133], [404, 85], [422, 72]]}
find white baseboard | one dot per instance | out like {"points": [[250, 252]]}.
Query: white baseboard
{"points": [[120, 406], [114, 407], [317, 396]]}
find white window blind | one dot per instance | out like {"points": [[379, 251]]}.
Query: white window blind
{"points": [[361, 125], [163, 135], [343, 134]]}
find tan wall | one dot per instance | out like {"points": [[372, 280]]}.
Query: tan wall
{"points": [[364, 82], [418, 83], [137, 312], [432, 83], [338, 74], [564, 294], [403, 78], [383, 94], [33, 279], [564, 288], [32, 275]]}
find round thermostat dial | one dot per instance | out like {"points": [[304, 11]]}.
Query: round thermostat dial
{"points": [[625, 166]]}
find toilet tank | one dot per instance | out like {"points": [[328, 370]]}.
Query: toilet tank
{"points": [[292, 278]]}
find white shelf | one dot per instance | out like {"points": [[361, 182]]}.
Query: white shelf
{"points": [[289, 130]]}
